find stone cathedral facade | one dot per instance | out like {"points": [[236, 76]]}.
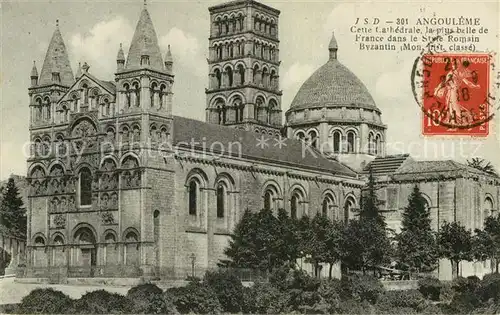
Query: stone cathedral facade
{"points": [[120, 187]]}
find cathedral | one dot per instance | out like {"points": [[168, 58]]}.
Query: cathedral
{"points": [[120, 187]]}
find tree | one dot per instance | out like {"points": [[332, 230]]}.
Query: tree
{"points": [[12, 212], [370, 203], [455, 244], [320, 227], [486, 242], [288, 246], [241, 249], [483, 165], [333, 242], [365, 245], [375, 247], [257, 243], [416, 244]]}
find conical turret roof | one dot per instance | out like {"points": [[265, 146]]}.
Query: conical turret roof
{"points": [[120, 56], [56, 60], [333, 43], [34, 70], [144, 41], [168, 55]]}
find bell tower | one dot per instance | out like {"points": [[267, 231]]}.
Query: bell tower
{"points": [[243, 90]]}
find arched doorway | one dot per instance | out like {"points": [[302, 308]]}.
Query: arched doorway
{"points": [[86, 250]]}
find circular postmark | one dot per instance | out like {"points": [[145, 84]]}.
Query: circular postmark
{"points": [[453, 91]]}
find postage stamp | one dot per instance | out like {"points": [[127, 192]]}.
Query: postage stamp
{"points": [[455, 91]]}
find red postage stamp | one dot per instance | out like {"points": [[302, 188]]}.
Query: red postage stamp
{"points": [[455, 94]]}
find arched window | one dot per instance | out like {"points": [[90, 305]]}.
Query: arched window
{"points": [[268, 200], [313, 139], [337, 140], [221, 108], [219, 51], [270, 196], [238, 107], [39, 241], [265, 77], [260, 109], [110, 249], [194, 187], [348, 207], [153, 93], [229, 72], [58, 257], [351, 142], [273, 80], [378, 145], [241, 71], [218, 77], [327, 205], [137, 94], [131, 249], [488, 207], [300, 136], [128, 102], [48, 108], [85, 91], [85, 187], [255, 74], [39, 109], [270, 111], [297, 204], [371, 144], [221, 200]]}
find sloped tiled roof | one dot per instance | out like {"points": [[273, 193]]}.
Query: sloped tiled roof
{"points": [[56, 60], [186, 130], [109, 85], [434, 167], [144, 41], [386, 165]]}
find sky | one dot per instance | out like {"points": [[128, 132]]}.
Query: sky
{"points": [[93, 31]]}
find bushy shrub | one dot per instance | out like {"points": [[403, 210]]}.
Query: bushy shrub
{"points": [[330, 294], [9, 309], [351, 306], [280, 277], [45, 301], [228, 288], [362, 287], [265, 298], [464, 302], [149, 299], [447, 292], [430, 288], [432, 309], [303, 292], [469, 284], [490, 287], [488, 308], [103, 302], [196, 297], [401, 299]]}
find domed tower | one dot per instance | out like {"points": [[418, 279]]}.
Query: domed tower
{"points": [[334, 112]]}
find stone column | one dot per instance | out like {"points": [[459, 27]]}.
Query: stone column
{"points": [[145, 93]]}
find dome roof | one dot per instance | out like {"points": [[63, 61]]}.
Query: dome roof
{"points": [[333, 84]]}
